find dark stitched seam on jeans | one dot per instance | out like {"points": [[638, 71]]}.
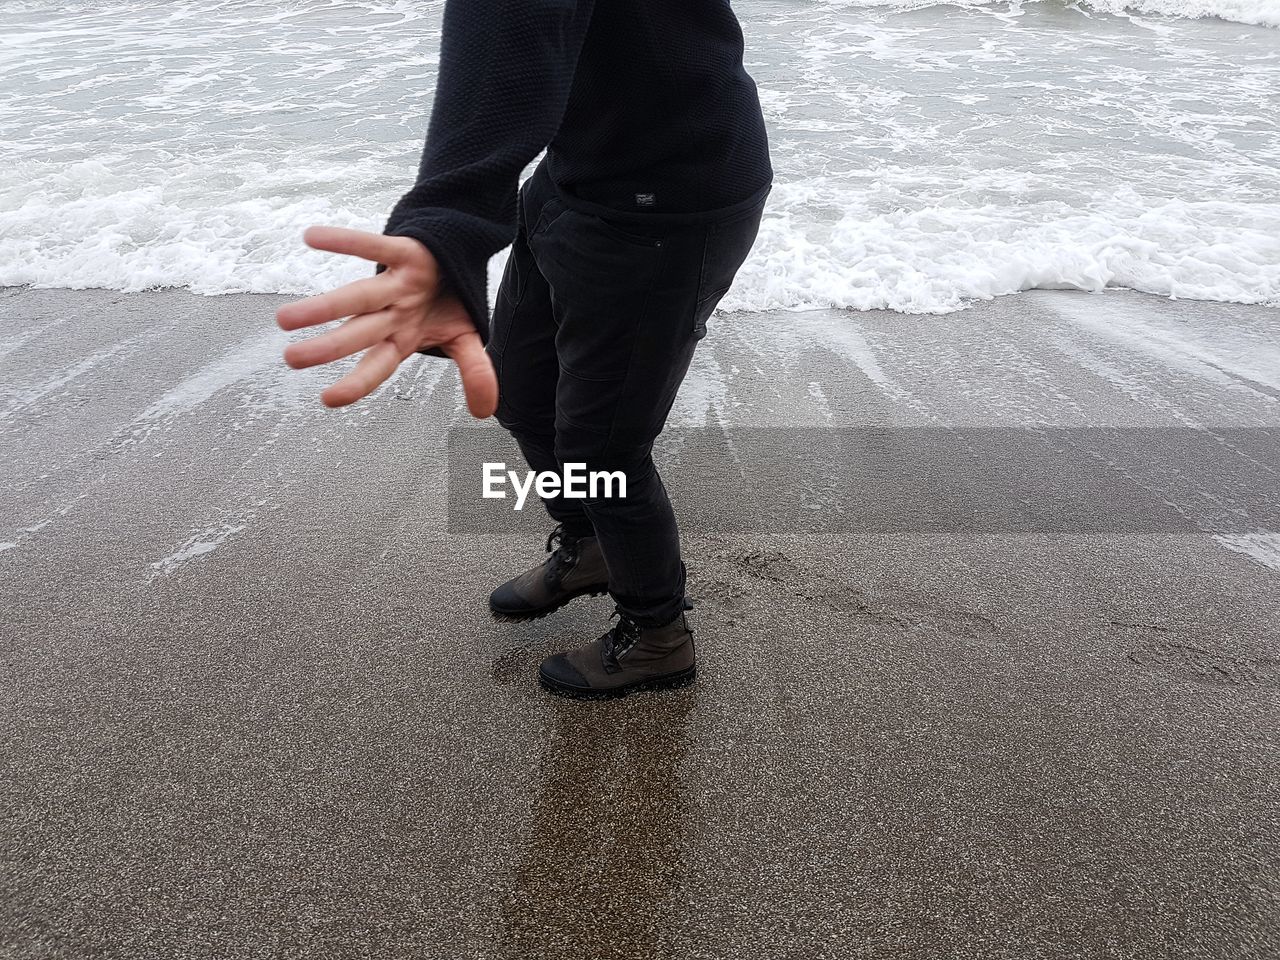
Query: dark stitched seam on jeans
{"points": [[511, 317], [515, 309], [631, 359], [702, 267], [502, 362], [578, 376], [512, 424], [698, 298], [544, 222]]}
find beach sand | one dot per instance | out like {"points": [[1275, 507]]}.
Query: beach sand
{"points": [[253, 704]]}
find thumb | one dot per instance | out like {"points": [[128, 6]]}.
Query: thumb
{"points": [[479, 382]]}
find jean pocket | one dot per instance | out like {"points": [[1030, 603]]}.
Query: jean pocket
{"points": [[703, 310], [728, 244], [637, 234], [551, 211]]}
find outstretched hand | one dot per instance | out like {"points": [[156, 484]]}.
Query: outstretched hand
{"points": [[392, 316]]}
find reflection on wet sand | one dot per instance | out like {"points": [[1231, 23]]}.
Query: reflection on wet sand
{"points": [[603, 856]]}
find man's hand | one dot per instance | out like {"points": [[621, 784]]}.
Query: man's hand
{"points": [[392, 316]]}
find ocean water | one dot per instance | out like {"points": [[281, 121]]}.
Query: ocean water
{"points": [[927, 154]]}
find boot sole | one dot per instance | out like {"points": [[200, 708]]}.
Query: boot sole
{"points": [[514, 616], [670, 681]]}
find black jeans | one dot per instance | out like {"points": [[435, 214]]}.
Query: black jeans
{"points": [[594, 327]]}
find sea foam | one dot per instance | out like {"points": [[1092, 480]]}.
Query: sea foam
{"points": [[1265, 13], [924, 158], [85, 232]]}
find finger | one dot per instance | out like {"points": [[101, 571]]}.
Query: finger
{"points": [[378, 363], [358, 333], [359, 296], [479, 382], [377, 247]]}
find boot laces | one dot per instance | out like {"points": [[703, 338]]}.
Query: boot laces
{"points": [[617, 643], [564, 551]]}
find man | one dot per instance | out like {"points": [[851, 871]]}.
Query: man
{"points": [[624, 239]]}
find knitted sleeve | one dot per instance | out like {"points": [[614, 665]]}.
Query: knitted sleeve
{"points": [[506, 69]]}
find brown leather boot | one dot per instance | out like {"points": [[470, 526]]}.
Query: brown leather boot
{"points": [[626, 659], [575, 568]]}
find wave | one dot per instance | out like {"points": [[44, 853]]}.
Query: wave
{"points": [[936, 258], [1260, 13], [820, 245]]}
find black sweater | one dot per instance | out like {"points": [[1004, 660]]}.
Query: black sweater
{"points": [[643, 106]]}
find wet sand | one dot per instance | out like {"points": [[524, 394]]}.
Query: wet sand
{"points": [[253, 706]]}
